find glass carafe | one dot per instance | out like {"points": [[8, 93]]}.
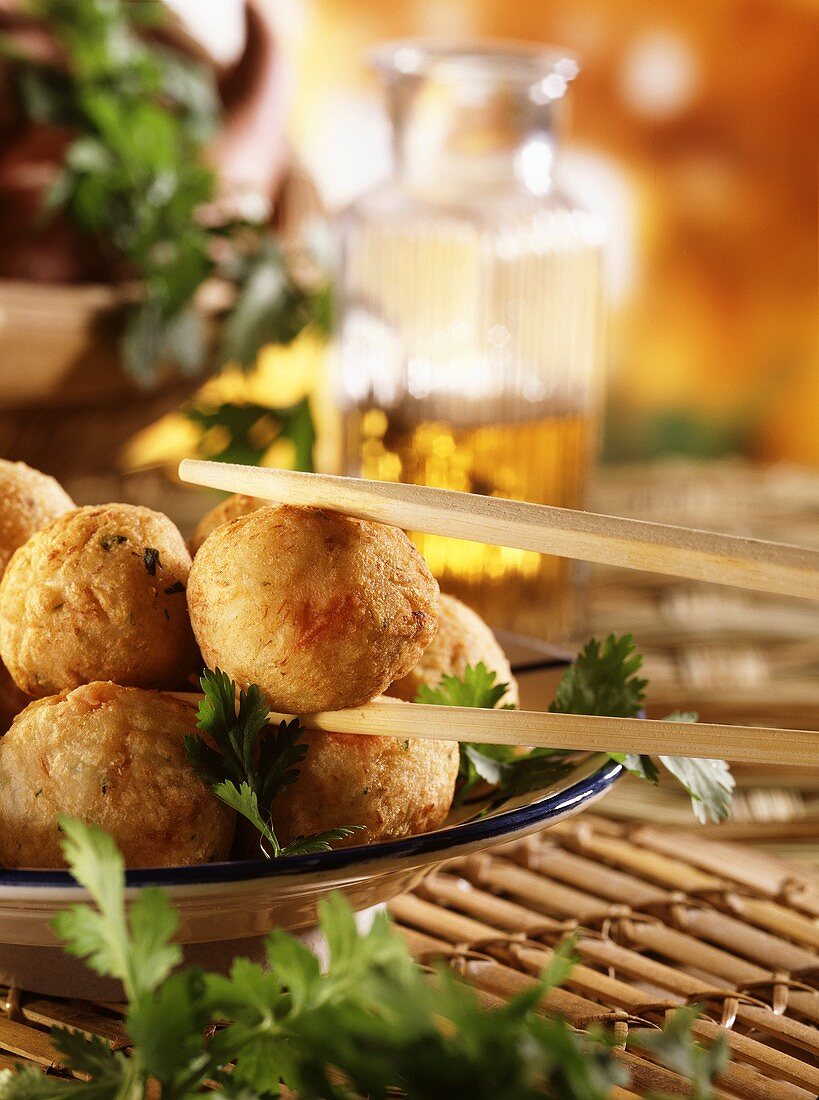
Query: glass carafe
{"points": [[470, 320]]}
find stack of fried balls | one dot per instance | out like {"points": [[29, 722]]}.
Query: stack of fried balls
{"points": [[103, 616]]}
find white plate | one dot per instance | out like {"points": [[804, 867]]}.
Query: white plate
{"points": [[226, 909]]}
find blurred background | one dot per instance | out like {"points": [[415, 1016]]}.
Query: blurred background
{"points": [[692, 130]]}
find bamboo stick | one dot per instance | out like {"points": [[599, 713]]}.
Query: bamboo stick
{"points": [[541, 729], [610, 540], [576, 732]]}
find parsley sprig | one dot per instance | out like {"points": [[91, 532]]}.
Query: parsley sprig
{"points": [[476, 687], [248, 429], [248, 762], [134, 180], [602, 680], [370, 1023], [502, 766]]}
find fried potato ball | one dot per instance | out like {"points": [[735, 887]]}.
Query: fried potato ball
{"points": [[114, 757], [322, 611], [99, 594], [463, 639], [29, 501], [232, 508], [393, 787]]}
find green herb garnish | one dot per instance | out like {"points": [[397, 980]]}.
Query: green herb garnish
{"points": [[150, 558], [372, 1023], [603, 680], [251, 762], [502, 766], [477, 687], [250, 429], [134, 179], [709, 782], [109, 541]]}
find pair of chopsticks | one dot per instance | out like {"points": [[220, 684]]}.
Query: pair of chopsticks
{"points": [[678, 551]]}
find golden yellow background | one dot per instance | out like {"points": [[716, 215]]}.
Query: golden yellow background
{"points": [[704, 115]]}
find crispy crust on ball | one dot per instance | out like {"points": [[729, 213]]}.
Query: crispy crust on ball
{"points": [[321, 610], [114, 757], [463, 639], [394, 787], [99, 594], [232, 508], [29, 501]]}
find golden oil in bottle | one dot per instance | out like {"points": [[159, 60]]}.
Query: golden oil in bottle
{"points": [[470, 311], [542, 459]]}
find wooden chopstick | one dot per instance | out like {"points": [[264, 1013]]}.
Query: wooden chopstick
{"points": [[636, 544], [542, 729]]}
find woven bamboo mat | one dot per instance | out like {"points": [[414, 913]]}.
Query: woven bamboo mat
{"points": [[662, 919], [731, 656]]}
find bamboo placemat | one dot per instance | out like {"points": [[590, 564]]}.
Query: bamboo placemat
{"points": [[662, 919], [731, 656]]}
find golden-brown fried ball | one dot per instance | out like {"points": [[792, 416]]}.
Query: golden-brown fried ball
{"points": [[99, 594], [232, 508], [394, 787], [29, 501], [322, 611], [114, 757], [463, 639]]}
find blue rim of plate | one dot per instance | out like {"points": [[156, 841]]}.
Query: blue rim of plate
{"points": [[492, 827]]}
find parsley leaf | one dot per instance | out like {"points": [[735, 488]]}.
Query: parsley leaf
{"points": [[137, 950], [251, 762], [641, 766], [319, 842], [135, 180], [168, 1031], [505, 767], [235, 734], [267, 763], [30, 1083], [515, 773], [708, 782], [475, 688], [134, 947], [92, 1055], [244, 801], [369, 1023], [603, 680]]}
